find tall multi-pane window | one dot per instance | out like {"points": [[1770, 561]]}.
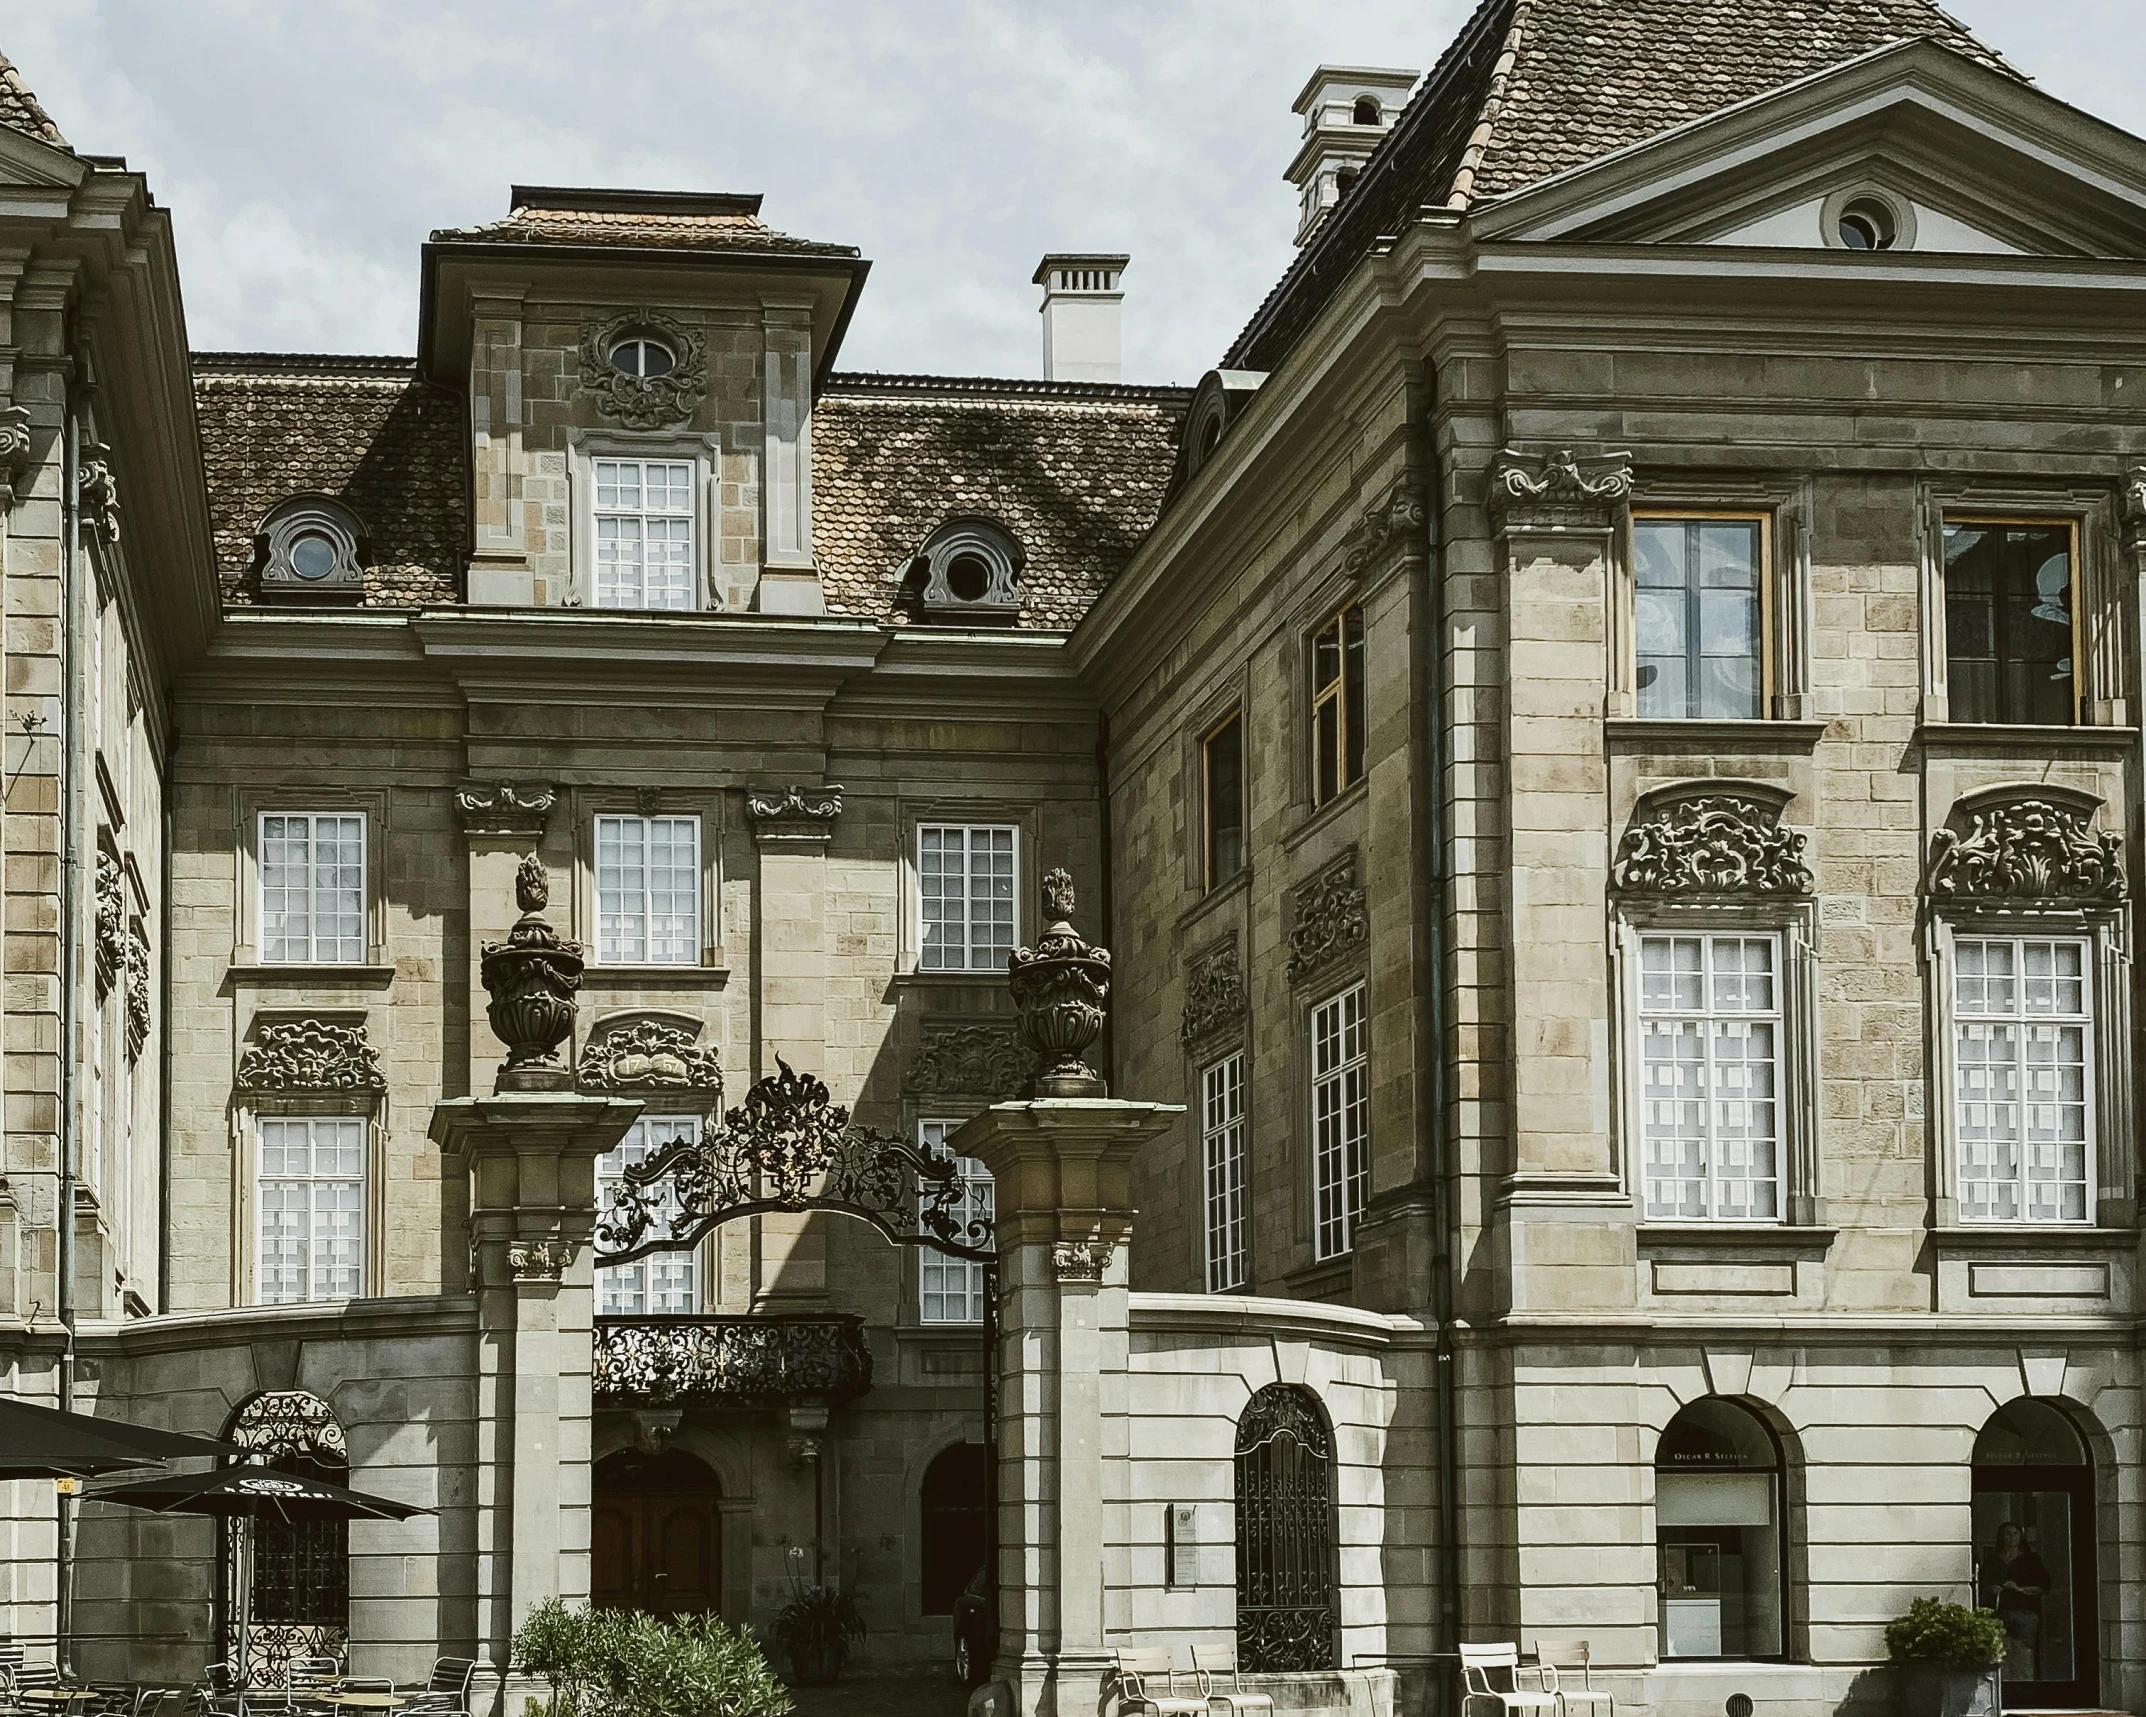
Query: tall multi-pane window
{"points": [[310, 1194], [1222, 793], [2022, 1035], [1340, 1120], [1710, 1113], [644, 533], [312, 887], [648, 891], [1222, 1147], [1337, 704], [1697, 617], [965, 878], [951, 1290], [2009, 651], [663, 1282]]}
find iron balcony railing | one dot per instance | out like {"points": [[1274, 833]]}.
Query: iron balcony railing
{"points": [[730, 1361]]}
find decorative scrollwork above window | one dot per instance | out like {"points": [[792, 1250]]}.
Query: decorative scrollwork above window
{"points": [[310, 1055], [642, 394], [2023, 846], [1595, 486], [140, 1013], [969, 1061], [1711, 838], [312, 546], [111, 920], [1216, 1000], [505, 807], [806, 804], [972, 572], [650, 1055], [1399, 517], [1328, 918], [790, 1147]]}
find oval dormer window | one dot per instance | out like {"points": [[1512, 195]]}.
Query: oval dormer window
{"points": [[1867, 223], [642, 356], [968, 577], [314, 555], [310, 547]]}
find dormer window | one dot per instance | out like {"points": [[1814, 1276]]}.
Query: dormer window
{"points": [[311, 548], [642, 357], [1867, 217], [1344, 181], [972, 573], [1867, 224], [1367, 110]]}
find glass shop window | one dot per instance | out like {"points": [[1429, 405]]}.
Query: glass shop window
{"points": [[1719, 1505]]}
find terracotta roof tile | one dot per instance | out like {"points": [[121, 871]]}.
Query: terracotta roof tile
{"points": [[20, 109], [1077, 472], [639, 228], [368, 431]]}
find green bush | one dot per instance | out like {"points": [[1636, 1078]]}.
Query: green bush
{"points": [[553, 1641], [817, 1619], [628, 1663], [1949, 1635]]}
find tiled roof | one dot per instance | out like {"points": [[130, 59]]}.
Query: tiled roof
{"points": [[1076, 471], [721, 229], [20, 109], [369, 432], [1532, 88]]}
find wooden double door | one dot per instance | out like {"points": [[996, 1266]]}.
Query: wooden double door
{"points": [[656, 1535]]}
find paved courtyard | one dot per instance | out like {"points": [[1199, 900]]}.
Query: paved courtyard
{"points": [[883, 1696]]}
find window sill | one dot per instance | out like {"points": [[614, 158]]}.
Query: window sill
{"points": [[2049, 1236], [1999, 736], [1215, 896], [993, 975], [1319, 817], [349, 974], [1736, 1236], [714, 975], [1328, 1279], [1649, 733]]}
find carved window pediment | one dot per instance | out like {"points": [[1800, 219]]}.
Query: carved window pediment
{"points": [[1710, 839], [1328, 918], [2025, 846], [1216, 999], [970, 1061], [649, 400], [646, 1054], [303, 1056], [1560, 487]]}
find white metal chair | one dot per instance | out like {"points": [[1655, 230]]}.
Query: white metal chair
{"points": [[1210, 1663], [1139, 1666], [1554, 1657], [1480, 1664]]}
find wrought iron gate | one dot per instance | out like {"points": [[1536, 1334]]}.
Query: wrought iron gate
{"points": [[1285, 1532], [301, 1570]]}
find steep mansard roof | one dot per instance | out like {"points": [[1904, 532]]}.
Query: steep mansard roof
{"points": [[20, 109], [1533, 88]]}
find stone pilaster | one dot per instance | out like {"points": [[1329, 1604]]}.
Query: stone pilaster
{"points": [[789, 582]]}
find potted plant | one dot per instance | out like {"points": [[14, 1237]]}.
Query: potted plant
{"points": [[816, 1628], [1944, 1654]]}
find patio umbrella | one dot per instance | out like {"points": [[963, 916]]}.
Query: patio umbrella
{"points": [[244, 1494], [47, 1443]]}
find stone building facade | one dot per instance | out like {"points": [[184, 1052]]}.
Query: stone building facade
{"points": [[1604, 738]]}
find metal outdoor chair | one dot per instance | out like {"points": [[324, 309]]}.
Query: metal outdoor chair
{"points": [[1211, 1664], [1554, 1658], [1481, 1664], [446, 1691], [1137, 1668]]}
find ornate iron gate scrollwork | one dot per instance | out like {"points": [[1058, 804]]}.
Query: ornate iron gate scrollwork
{"points": [[1285, 1532], [301, 1571]]}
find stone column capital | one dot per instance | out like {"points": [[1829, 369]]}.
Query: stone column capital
{"points": [[1061, 1169]]}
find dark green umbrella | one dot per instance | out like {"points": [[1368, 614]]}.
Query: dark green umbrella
{"points": [[48, 1443]]}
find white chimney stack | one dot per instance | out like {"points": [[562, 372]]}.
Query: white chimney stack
{"points": [[1347, 112], [1081, 303]]}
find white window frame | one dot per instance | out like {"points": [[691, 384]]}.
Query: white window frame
{"points": [[942, 1279], [313, 1182], [672, 1278], [607, 469], [1223, 1123], [702, 452], [355, 956], [1340, 1118], [608, 944], [994, 959]]}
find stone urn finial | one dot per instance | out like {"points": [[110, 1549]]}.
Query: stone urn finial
{"points": [[1061, 988], [531, 978]]}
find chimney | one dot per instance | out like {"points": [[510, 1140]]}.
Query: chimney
{"points": [[1080, 317], [1347, 111]]}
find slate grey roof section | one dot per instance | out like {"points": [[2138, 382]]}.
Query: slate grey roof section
{"points": [[1075, 470], [1533, 88], [20, 110], [368, 431]]}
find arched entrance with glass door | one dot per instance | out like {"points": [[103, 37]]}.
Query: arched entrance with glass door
{"points": [[1720, 1511], [656, 1534], [2035, 1553]]}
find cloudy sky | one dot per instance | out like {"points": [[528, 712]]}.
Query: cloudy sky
{"points": [[308, 146]]}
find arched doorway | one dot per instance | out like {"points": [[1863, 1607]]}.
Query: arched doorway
{"points": [[955, 1493], [2034, 1552], [300, 1598], [1720, 1513], [1285, 1533], [656, 1534]]}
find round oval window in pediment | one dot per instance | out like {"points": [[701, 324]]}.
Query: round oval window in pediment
{"points": [[313, 554], [642, 357], [1868, 223], [968, 576]]}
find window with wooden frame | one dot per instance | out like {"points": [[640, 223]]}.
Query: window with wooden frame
{"points": [[2011, 641], [1222, 801], [1337, 704], [1702, 585]]}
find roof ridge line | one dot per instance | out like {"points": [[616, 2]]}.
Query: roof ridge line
{"points": [[898, 381], [1462, 194]]}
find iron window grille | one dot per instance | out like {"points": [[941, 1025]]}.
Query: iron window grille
{"points": [[951, 1290], [663, 1282]]}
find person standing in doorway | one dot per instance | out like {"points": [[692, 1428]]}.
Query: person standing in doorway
{"points": [[2013, 1580]]}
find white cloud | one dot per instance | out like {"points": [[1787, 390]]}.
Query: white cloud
{"points": [[307, 150]]}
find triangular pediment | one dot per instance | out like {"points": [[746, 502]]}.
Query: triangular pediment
{"points": [[1966, 161]]}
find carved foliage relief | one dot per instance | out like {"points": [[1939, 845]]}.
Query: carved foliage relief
{"points": [[1327, 918], [969, 1060], [310, 1055], [1215, 996], [2026, 849], [645, 402], [1710, 843], [650, 1054]]}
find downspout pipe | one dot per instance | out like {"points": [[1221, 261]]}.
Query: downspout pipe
{"points": [[70, 784]]}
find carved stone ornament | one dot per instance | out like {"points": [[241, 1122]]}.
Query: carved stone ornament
{"points": [[650, 1055], [1080, 1260], [796, 804], [1707, 842], [1327, 918], [1061, 988], [645, 402], [1215, 995], [539, 1260], [1401, 516], [505, 808], [2134, 507], [2026, 849], [100, 494], [310, 1055], [1562, 480], [532, 977], [111, 921], [140, 1012], [14, 453], [969, 1061]]}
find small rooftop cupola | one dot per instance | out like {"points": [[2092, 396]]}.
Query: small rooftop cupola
{"points": [[1081, 303], [1346, 110]]}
